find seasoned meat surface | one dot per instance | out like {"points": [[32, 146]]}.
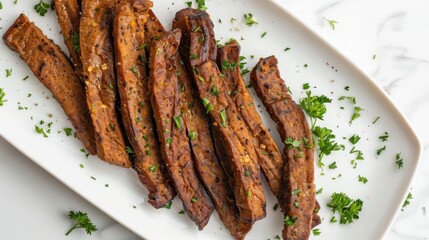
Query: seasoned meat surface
{"points": [[199, 54], [52, 67], [207, 164], [298, 170], [68, 12], [101, 90], [128, 33], [175, 146], [269, 157]]}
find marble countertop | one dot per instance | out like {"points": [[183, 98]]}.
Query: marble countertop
{"points": [[394, 31]]}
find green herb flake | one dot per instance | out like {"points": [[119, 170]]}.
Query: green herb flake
{"points": [[331, 22], [68, 131], [222, 115], [362, 179], [380, 150], [276, 206], [319, 191], [181, 212], [356, 114], [316, 232], [8, 72], [351, 99], [384, 137], [41, 8], [214, 91], [83, 150], [264, 34], [287, 49], [168, 142], [129, 150], [305, 86], [376, 119], [40, 130], [354, 139], [81, 165], [407, 201], [290, 221], [133, 70], [2, 95], [292, 143], [374, 56], [326, 142], [246, 173], [194, 199], [193, 56], [296, 191], [148, 153], [347, 88], [153, 168], [332, 165], [76, 42], [201, 5], [192, 135], [249, 19], [347, 208], [277, 237], [189, 3], [399, 161], [178, 122], [168, 205], [333, 219]]}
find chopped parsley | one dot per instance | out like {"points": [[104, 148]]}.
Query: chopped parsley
{"points": [[192, 135], [201, 5], [380, 150], [305, 86], [153, 168], [287, 49], [333, 165], [178, 122], [384, 137], [68, 131], [319, 191], [249, 19], [194, 199], [222, 115], [214, 91], [351, 99], [168, 141], [296, 191], [374, 56], [407, 201], [376, 119], [276, 206], [2, 95], [129, 150], [362, 179], [331, 22], [316, 232], [326, 142], [314, 106], [354, 139], [76, 42], [292, 143], [41, 8], [83, 150], [40, 130], [82, 221], [181, 212], [168, 205], [399, 161], [290, 221], [356, 113], [189, 4], [1, 5], [347, 208], [206, 103], [264, 34], [8, 72]]}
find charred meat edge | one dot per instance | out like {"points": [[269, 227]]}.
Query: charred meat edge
{"points": [[198, 49], [136, 111], [207, 164], [298, 170], [175, 146], [52, 67], [68, 12], [269, 157], [101, 91]]}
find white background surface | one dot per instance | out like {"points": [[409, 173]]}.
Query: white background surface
{"points": [[34, 205]]}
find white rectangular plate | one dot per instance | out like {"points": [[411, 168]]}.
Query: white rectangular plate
{"points": [[327, 72]]}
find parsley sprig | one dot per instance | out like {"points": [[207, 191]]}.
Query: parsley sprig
{"points": [[326, 142], [314, 106], [82, 221], [407, 201], [2, 95], [41, 8], [249, 19], [348, 208]]}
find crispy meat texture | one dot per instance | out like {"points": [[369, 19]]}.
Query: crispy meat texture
{"points": [[175, 146], [52, 67], [241, 165], [298, 170], [269, 157], [207, 164], [68, 12], [101, 90], [128, 33]]}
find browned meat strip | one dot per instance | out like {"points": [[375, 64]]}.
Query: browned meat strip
{"points": [[269, 156], [175, 147], [51, 66], [299, 197], [101, 93], [207, 165], [241, 162], [128, 32], [68, 12]]}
